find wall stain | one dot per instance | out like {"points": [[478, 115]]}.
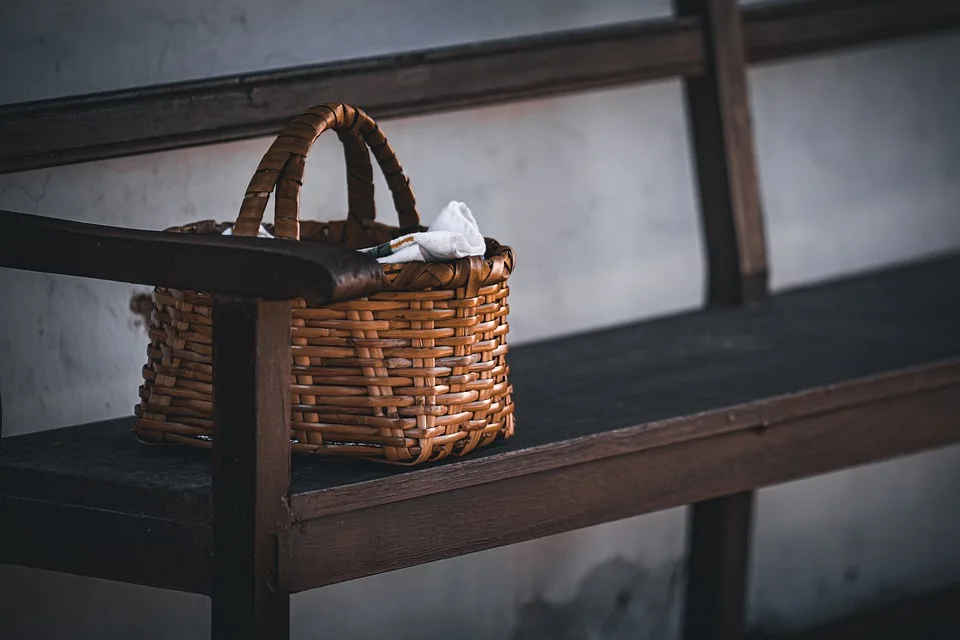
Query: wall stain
{"points": [[618, 599], [141, 304], [851, 574]]}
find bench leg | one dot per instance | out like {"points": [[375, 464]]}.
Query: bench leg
{"points": [[718, 563], [718, 111], [251, 478]]}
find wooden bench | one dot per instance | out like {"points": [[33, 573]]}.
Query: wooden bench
{"points": [[700, 408]]}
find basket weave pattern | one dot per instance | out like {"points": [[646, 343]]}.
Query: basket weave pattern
{"points": [[413, 373]]}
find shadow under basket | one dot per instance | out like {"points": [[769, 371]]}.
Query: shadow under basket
{"points": [[413, 373]]}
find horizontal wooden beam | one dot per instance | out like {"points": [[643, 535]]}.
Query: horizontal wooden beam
{"points": [[253, 267], [117, 546], [494, 501], [751, 417], [97, 126], [788, 29], [217, 110], [361, 542]]}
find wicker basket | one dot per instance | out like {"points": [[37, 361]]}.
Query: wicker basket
{"points": [[411, 374]]}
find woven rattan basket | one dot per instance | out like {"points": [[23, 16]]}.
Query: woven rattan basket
{"points": [[413, 373]]}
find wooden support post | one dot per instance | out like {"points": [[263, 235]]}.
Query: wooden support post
{"points": [[718, 111], [251, 477], [717, 561]]}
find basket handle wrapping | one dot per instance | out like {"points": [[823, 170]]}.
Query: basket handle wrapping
{"points": [[282, 167]]}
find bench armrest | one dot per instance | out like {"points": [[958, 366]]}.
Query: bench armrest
{"points": [[246, 267]]}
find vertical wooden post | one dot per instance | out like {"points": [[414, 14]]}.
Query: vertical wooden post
{"points": [[717, 561], [251, 476], [718, 111]]}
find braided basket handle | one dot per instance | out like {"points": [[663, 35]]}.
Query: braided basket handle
{"points": [[282, 167]]}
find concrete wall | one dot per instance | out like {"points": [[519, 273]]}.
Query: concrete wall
{"points": [[860, 166]]}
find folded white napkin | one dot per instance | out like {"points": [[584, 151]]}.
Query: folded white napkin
{"points": [[454, 234]]}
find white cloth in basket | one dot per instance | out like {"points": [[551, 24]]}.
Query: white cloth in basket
{"points": [[454, 234]]}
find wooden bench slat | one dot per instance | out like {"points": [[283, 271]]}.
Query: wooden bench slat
{"points": [[698, 375]]}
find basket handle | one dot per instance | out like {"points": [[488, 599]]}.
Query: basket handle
{"points": [[282, 167]]}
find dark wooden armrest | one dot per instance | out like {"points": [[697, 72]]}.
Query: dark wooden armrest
{"points": [[247, 267]]}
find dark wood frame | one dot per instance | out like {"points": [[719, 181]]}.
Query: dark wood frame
{"points": [[91, 127], [265, 541], [718, 109]]}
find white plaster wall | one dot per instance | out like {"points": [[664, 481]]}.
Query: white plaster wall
{"points": [[857, 150], [50, 48], [859, 157]]}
